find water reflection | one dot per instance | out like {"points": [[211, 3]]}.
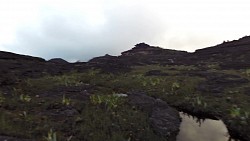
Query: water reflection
{"points": [[194, 129]]}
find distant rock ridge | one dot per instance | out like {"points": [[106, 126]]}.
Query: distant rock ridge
{"points": [[58, 61], [228, 55], [13, 56], [145, 49], [141, 46]]}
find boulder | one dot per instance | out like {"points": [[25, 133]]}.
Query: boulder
{"points": [[164, 119]]}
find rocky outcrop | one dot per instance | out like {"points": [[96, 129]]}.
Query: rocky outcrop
{"points": [[164, 120], [229, 55], [12, 56], [58, 61], [109, 64], [216, 83]]}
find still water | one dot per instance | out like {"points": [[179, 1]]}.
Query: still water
{"points": [[193, 129]]}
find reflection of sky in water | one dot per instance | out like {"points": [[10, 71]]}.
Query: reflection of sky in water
{"points": [[208, 130]]}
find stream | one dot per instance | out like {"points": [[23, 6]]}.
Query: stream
{"points": [[194, 129]]}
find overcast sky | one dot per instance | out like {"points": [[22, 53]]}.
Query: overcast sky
{"points": [[82, 29]]}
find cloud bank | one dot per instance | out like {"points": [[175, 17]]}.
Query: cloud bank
{"points": [[83, 29], [73, 36]]}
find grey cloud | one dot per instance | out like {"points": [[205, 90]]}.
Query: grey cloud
{"points": [[72, 39]]}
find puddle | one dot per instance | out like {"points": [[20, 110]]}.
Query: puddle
{"points": [[194, 129]]}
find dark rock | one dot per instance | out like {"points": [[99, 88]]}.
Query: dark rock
{"points": [[164, 120], [227, 79], [58, 61], [213, 88], [7, 138], [229, 55], [156, 73], [109, 64], [12, 56], [142, 101], [59, 110], [247, 91], [7, 79], [216, 83]]}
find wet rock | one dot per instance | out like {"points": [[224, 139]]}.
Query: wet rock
{"points": [[164, 120]]}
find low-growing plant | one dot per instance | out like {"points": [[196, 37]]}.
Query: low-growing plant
{"points": [[51, 136], [25, 98], [175, 86], [23, 114], [241, 116], [198, 102], [248, 72], [66, 101], [110, 101], [144, 83], [235, 111], [246, 114]]}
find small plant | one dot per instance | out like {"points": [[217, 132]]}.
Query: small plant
{"points": [[144, 83], [66, 101], [51, 136], [248, 72], [235, 111], [239, 114], [155, 82], [96, 99], [246, 114], [110, 101], [23, 114], [198, 102], [16, 91], [25, 98], [175, 86]]}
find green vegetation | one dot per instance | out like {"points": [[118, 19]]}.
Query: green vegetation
{"points": [[39, 105], [51, 136], [109, 101], [235, 112], [248, 72], [66, 101], [25, 98]]}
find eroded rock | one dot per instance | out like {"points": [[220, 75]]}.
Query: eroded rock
{"points": [[164, 119]]}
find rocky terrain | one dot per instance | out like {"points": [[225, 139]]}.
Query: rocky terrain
{"points": [[133, 96]]}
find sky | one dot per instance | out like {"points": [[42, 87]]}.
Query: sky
{"points": [[83, 29]]}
